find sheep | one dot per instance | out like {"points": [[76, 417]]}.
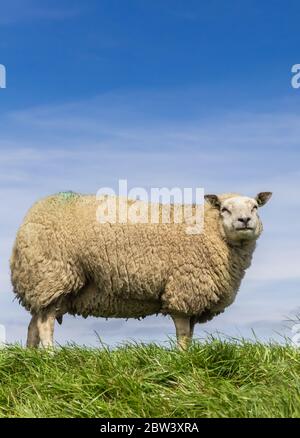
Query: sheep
{"points": [[65, 261]]}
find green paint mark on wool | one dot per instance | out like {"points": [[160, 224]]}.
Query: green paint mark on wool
{"points": [[68, 196]]}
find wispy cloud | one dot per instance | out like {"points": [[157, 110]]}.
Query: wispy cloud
{"points": [[16, 11], [235, 150]]}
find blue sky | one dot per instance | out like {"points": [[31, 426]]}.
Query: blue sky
{"points": [[172, 93]]}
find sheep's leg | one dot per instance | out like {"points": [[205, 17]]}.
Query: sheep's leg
{"points": [[45, 324], [183, 331], [192, 326], [33, 337]]}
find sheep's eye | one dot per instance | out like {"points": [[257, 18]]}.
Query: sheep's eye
{"points": [[254, 208], [225, 210]]}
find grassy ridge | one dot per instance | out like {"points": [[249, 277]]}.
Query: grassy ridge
{"points": [[217, 379]]}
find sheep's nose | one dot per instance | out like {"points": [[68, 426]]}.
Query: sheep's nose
{"points": [[244, 220]]}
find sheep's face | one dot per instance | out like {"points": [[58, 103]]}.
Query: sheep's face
{"points": [[239, 215]]}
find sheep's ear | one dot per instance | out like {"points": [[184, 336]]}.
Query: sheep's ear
{"points": [[262, 198], [213, 201]]}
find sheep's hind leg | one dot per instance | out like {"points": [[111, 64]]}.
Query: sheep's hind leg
{"points": [[33, 337], [183, 331], [45, 324], [193, 321]]}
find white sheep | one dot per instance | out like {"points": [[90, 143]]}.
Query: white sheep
{"points": [[64, 261]]}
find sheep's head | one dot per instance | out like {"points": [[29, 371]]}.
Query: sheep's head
{"points": [[239, 217]]}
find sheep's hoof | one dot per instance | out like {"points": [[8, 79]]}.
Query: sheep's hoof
{"points": [[184, 343], [49, 349]]}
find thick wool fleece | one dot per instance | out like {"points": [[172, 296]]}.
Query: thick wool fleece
{"points": [[64, 257]]}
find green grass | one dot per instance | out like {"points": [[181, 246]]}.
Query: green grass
{"points": [[215, 379]]}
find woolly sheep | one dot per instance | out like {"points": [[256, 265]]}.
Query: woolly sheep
{"points": [[65, 261]]}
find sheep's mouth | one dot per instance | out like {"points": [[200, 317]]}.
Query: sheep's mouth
{"points": [[245, 229]]}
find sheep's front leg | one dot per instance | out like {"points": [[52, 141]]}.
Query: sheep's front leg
{"points": [[183, 331], [45, 324], [33, 337]]}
